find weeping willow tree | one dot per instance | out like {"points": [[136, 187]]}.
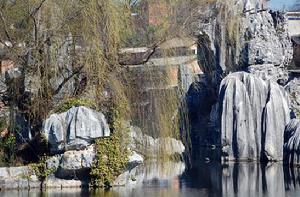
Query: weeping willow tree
{"points": [[58, 44]]}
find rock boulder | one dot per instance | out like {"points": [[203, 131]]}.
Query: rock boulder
{"points": [[254, 114], [74, 129]]}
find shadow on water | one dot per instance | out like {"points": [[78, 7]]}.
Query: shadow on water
{"points": [[205, 180]]}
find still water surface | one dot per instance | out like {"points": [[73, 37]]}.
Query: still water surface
{"points": [[207, 180]]}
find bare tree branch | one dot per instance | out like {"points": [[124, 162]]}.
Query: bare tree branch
{"points": [[77, 71], [35, 10], [5, 28], [144, 59]]}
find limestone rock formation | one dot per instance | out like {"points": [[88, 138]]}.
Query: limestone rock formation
{"points": [[53, 182], [74, 129], [292, 142], [74, 160], [269, 72], [74, 166], [150, 147], [293, 89], [18, 177], [266, 39], [234, 36], [242, 34], [254, 114]]}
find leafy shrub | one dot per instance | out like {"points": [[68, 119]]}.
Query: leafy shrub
{"points": [[110, 162], [8, 149], [40, 169]]}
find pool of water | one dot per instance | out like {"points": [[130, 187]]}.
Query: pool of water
{"points": [[207, 180]]}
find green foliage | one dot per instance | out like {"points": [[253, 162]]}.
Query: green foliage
{"points": [[112, 152], [40, 169], [111, 161], [3, 124], [8, 148], [8, 142], [69, 103]]}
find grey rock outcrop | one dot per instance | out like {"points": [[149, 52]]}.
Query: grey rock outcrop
{"points": [[256, 37], [151, 171], [254, 114], [269, 72], [70, 170], [135, 159], [74, 129], [150, 147], [234, 36], [18, 178], [292, 142], [53, 182], [73, 167], [73, 160], [73, 164], [266, 39], [293, 89]]}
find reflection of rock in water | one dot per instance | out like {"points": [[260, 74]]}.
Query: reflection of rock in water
{"points": [[291, 178], [205, 176], [247, 179], [240, 179]]}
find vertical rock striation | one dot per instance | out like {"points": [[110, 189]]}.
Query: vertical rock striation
{"points": [[254, 114], [74, 129], [293, 89], [292, 142], [244, 38]]}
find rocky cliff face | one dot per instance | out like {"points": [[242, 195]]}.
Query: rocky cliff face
{"points": [[249, 114], [228, 42], [254, 114]]}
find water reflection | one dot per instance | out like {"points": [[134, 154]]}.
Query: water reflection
{"points": [[206, 180], [245, 179], [292, 178]]}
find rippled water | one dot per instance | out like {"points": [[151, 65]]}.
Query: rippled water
{"points": [[216, 180]]}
